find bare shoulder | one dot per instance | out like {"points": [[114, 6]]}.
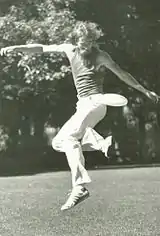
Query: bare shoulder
{"points": [[67, 47], [103, 57], [69, 50]]}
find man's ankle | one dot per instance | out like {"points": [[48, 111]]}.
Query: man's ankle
{"points": [[80, 186]]}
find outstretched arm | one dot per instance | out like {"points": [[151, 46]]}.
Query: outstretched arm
{"points": [[35, 48], [126, 77]]}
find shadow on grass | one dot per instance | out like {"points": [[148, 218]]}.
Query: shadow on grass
{"points": [[52, 162]]}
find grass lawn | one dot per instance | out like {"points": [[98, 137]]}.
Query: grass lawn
{"points": [[123, 202]]}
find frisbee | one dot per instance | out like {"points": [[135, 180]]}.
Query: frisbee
{"points": [[113, 99]]}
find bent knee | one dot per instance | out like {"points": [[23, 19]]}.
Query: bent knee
{"points": [[55, 144], [65, 143]]}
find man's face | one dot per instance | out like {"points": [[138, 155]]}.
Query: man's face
{"points": [[85, 44]]}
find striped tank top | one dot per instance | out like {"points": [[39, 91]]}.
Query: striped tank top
{"points": [[87, 79]]}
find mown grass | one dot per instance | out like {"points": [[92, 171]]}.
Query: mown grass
{"points": [[122, 202]]}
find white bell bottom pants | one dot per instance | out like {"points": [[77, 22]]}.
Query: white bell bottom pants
{"points": [[77, 135]]}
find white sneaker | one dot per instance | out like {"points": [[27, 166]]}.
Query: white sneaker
{"points": [[107, 142], [77, 195]]}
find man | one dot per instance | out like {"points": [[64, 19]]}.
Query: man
{"points": [[87, 62]]}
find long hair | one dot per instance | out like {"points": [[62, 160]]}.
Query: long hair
{"points": [[89, 32], [84, 29]]}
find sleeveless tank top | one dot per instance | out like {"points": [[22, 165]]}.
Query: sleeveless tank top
{"points": [[87, 79]]}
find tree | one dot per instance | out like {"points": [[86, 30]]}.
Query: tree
{"points": [[34, 87], [30, 83]]}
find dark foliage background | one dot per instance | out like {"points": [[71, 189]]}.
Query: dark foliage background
{"points": [[37, 92]]}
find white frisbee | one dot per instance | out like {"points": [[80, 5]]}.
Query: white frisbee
{"points": [[113, 99]]}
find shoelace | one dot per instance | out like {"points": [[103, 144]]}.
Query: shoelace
{"points": [[74, 196]]}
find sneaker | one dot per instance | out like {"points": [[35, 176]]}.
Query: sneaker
{"points": [[77, 195], [107, 142]]}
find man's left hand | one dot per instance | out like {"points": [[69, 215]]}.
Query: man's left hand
{"points": [[153, 96]]}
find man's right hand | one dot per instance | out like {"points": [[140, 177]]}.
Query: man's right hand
{"points": [[6, 50]]}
